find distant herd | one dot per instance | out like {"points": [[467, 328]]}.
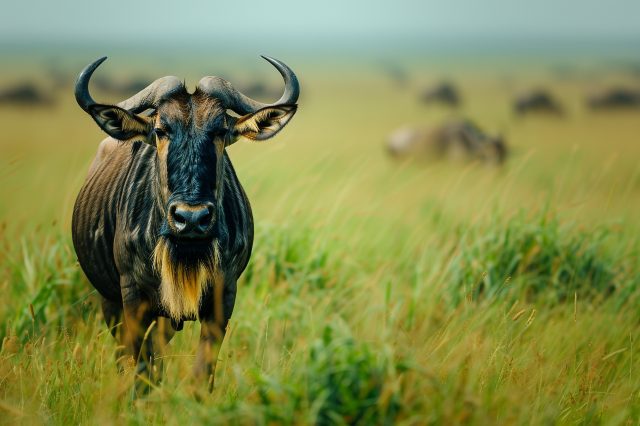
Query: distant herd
{"points": [[42, 92], [461, 138]]}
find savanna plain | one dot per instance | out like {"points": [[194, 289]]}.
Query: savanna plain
{"points": [[379, 291]]}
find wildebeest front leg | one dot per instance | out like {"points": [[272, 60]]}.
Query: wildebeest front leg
{"points": [[138, 324], [213, 325], [112, 312]]}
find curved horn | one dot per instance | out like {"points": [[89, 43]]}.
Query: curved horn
{"points": [[151, 95], [242, 104], [147, 97], [83, 97]]}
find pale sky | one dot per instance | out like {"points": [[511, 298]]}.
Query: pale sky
{"points": [[278, 21]]}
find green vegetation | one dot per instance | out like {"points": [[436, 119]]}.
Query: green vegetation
{"points": [[539, 260], [378, 292]]}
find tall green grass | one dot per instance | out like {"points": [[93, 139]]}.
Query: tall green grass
{"points": [[535, 258], [319, 342], [45, 282]]}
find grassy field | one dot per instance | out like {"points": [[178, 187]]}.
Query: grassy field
{"points": [[379, 292]]}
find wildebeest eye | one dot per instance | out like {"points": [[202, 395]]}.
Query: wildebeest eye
{"points": [[160, 132]]}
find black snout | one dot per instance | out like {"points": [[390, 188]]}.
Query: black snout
{"points": [[191, 221]]}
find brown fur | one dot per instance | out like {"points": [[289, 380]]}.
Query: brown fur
{"points": [[206, 107]]}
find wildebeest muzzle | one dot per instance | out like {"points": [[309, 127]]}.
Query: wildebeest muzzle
{"points": [[191, 221]]}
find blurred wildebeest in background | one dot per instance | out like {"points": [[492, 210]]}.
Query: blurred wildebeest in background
{"points": [[444, 93], [618, 97], [25, 94], [537, 100], [459, 138]]}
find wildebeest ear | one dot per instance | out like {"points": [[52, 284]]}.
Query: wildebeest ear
{"points": [[120, 123], [264, 123]]}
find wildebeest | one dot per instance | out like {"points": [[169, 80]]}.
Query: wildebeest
{"points": [[25, 94], [444, 93], [162, 227], [619, 97], [536, 101], [455, 138]]}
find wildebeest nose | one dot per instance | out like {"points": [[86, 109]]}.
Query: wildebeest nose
{"points": [[191, 221]]}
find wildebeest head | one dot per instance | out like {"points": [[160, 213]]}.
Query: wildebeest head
{"points": [[190, 132]]}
